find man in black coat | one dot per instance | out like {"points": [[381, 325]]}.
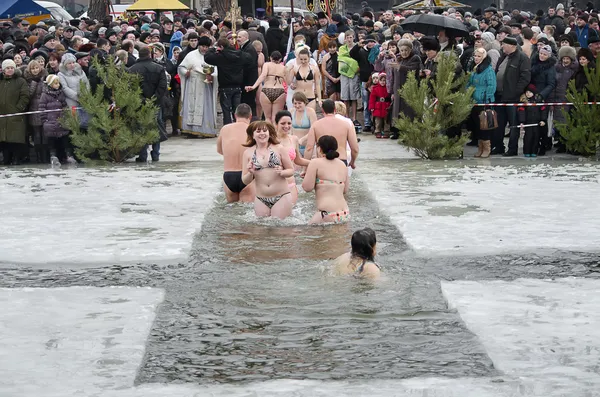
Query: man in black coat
{"points": [[154, 85], [513, 74], [251, 72], [275, 37], [231, 64]]}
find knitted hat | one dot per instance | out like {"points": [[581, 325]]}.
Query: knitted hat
{"points": [[567, 51], [8, 63], [531, 88], [378, 24], [560, 6], [488, 37], [566, 37], [145, 27], [382, 75], [584, 17], [102, 30], [158, 46], [546, 50], [49, 37], [67, 58], [51, 79]]}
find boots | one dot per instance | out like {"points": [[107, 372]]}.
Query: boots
{"points": [[487, 148], [480, 147]]}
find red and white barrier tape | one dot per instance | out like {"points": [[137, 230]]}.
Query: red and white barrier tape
{"points": [[534, 104], [73, 109]]}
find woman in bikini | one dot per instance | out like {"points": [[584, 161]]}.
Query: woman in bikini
{"points": [[269, 164], [360, 262], [305, 78], [272, 95], [328, 176], [283, 120], [302, 118]]}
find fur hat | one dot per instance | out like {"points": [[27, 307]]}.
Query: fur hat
{"points": [[51, 79], [567, 51], [584, 17], [430, 43], [566, 37], [587, 53]]}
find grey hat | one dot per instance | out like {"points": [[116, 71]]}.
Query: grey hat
{"points": [[567, 51]]}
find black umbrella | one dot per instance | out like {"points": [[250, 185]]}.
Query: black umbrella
{"points": [[431, 24]]}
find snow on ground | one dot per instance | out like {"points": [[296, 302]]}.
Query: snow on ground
{"points": [[104, 215], [545, 332], [73, 341], [450, 208]]}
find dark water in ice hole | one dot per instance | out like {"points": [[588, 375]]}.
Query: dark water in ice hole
{"points": [[255, 302]]}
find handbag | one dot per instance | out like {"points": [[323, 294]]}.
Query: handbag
{"points": [[488, 119]]}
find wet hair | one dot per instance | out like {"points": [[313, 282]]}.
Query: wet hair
{"points": [[363, 244], [243, 111], [329, 146], [328, 106], [299, 97], [276, 56], [304, 51], [281, 114], [250, 141]]}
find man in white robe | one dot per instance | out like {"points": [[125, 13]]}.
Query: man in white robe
{"points": [[198, 93]]}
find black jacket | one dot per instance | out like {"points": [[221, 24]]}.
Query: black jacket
{"points": [[231, 64], [251, 72], [361, 55], [275, 41], [154, 79], [516, 77], [543, 76]]}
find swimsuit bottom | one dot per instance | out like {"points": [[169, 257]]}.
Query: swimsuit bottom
{"points": [[273, 93], [233, 180], [301, 149], [271, 201], [345, 162], [338, 216]]}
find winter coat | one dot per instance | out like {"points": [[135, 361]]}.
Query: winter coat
{"points": [[361, 55], [154, 78], [531, 114], [14, 98], [563, 75], [275, 41], [70, 82], [36, 85], [516, 77], [543, 76], [386, 65], [399, 75], [379, 101], [231, 64], [483, 79], [250, 72], [581, 80], [53, 100]]}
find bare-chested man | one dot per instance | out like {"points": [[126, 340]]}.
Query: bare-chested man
{"points": [[229, 144], [340, 129]]}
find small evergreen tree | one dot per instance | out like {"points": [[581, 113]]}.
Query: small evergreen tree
{"points": [[118, 132], [581, 129], [438, 104]]}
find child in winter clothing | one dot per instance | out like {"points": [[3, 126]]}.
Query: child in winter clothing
{"points": [[53, 98], [532, 115], [373, 81], [379, 104]]}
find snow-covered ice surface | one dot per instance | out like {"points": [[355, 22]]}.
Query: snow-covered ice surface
{"points": [[104, 215], [74, 341], [466, 208], [543, 332]]}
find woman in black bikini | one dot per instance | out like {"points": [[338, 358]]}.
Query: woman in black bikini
{"points": [[269, 164], [306, 79], [360, 262], [272, 95]]}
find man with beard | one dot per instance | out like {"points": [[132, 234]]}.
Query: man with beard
{"points": [[198, 93], [192, 46]]}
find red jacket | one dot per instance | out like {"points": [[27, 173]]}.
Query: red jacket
{"points": [[379, 101]]}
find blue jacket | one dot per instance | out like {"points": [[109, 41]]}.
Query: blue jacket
{"points": [[483, 78]]}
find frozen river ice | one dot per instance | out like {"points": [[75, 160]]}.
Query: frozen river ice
{"points": [[475, 301]]}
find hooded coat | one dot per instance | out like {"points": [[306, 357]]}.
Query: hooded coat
{"points": [[53, 100], [36, 85], [483, 79], [71, 81], [14, 98]]}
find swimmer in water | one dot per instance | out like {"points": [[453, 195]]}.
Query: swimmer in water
{"points": [[283, 122], [328, 176], [360, 262], [269, 165]]}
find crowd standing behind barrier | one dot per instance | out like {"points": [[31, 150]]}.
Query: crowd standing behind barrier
{"points": [[512, 56]]}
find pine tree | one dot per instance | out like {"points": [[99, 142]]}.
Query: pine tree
{"points": [[115, 133], [581, 129], [439, 103]]}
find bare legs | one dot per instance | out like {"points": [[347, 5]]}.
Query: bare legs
{"points": [[271, 109], [282, 209]]}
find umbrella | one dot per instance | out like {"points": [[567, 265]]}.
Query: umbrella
{"points": [[158, 5], [431, 24], [429, 4]]}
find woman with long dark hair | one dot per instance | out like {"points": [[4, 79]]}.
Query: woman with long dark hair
{"points": [[360, 261]]}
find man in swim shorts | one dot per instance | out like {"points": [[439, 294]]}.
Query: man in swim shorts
{"points": [[341, 130], [229, 144]]}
